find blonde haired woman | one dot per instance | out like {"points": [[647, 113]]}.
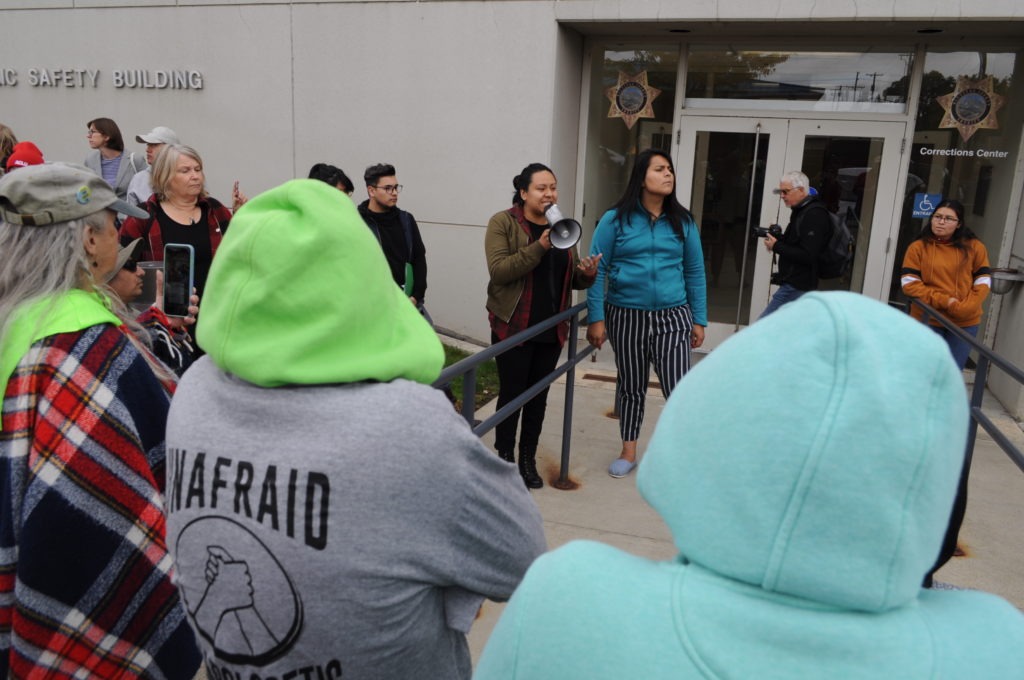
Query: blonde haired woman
{"points": [[85, 405], [180, 211]]}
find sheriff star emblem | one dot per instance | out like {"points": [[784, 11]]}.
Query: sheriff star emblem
{"points": [[971, 106], [631, 98]]}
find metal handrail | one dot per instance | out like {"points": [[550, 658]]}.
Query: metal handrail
{"points": [[467, 369], [986, 357]]}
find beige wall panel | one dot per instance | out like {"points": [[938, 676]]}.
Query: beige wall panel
{"points": [[240, 121], [458, 96]]}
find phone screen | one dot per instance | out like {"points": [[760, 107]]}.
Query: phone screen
{"points": [[179, 263]]}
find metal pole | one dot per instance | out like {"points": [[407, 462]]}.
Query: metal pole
{"points": [[570, 384], [615, 405], [746, 232], [469, 395], [977, 394]]}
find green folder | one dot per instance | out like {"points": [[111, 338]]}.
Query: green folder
{"points": [[408, 279]]}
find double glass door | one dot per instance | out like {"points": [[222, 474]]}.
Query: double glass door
{"points": [[727, 168]]}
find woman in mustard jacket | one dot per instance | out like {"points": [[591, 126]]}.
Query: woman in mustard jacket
{"points": [[947, 268]]}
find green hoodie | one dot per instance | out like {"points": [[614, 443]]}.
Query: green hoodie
{"points": [[806, 469], [300, 294]]}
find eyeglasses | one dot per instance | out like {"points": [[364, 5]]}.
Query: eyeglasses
{"points": [[130, 265], [90, 133], [389, 188], [941, 219], [782, 192]]}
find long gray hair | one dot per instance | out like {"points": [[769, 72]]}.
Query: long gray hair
{"points": [[42, 261]]}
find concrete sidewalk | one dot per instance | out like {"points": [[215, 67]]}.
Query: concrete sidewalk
{"points": [[611, 510]]}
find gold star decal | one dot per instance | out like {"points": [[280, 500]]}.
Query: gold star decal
{"points": [[971, 106], [631, 98]]}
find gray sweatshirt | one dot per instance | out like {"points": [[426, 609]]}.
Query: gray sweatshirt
{"points": [[332, 531]]}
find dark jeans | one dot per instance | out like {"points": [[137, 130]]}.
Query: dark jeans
{"points": [[957, 347], [518, 369], [785, 293]]}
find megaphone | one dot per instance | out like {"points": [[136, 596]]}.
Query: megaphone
{"points": [[565, 231]]}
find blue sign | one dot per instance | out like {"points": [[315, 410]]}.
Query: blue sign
{"points": [[924, 204]]}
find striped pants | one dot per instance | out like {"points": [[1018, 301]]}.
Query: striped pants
{"points": [[641, 338]]}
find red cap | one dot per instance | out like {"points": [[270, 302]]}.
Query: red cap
{"points": [[24, 154]]}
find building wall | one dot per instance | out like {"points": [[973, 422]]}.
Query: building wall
{"points": [[241, 120], [1009, 334], [1008, 337], [458, 94]]}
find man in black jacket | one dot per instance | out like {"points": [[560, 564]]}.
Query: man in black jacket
{"points": [[397, 231], [809, 230]]}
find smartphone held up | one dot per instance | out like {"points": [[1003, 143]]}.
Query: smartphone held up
{"points": [[179, 278]]}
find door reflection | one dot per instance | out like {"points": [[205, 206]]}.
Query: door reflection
{"points": [[729, 184], [844, 171], [725, 168]]}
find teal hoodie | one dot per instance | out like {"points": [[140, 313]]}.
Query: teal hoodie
{"points": [[806, 469], [647, 266], [300, 294]]}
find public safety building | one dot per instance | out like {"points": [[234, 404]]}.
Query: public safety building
{"points": [[889, 106]]}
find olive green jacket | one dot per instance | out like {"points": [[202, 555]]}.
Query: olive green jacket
{"points": [[511, 256]]}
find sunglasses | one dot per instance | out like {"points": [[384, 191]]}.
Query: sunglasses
{"points": [[130, 265]]}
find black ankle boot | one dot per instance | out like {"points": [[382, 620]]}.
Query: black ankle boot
{"points": [[507, 455], [528, 469]]}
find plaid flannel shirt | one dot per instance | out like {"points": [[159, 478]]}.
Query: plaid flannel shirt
{"points": [[85, 583]]}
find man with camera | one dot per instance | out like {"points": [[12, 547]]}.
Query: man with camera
{"points": [[798, 247]]}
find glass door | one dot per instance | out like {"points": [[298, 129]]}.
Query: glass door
{"points": [[632, 96], [727, 169], [854, 166]]}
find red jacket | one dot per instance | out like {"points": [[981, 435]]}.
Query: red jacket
{"points": [[217, 221]]}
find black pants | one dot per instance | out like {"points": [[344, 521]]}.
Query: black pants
{"points": [[518, 369]]}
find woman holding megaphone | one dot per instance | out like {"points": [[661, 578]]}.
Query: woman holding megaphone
{"points": [[531, 281]]}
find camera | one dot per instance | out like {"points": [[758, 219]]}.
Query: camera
{"points": [[774, 230]]}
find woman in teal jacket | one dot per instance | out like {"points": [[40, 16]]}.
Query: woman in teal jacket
{"points": [[656, 304]]}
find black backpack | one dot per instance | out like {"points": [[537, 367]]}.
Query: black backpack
{"points": [[835, 260]]}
